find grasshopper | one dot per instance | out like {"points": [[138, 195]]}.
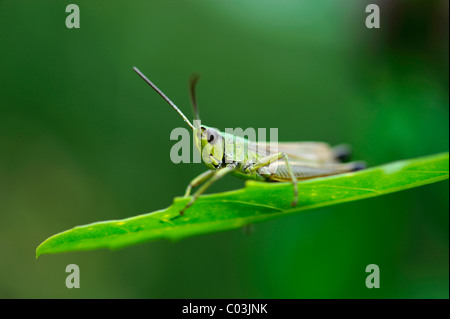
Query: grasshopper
{"points": [[266, 162]]}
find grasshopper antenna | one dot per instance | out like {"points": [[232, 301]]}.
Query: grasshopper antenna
{"points": [[163, 96], [192, 83]]}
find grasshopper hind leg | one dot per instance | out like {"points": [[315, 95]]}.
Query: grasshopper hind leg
{"points": [[264, 162]]}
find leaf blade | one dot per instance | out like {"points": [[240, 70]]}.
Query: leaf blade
{"points": [[257, 202]]}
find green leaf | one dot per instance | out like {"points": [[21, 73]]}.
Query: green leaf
{"points": [[255, 203]]}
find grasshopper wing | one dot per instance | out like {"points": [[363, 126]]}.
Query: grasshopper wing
{"points": [[317, 152]]}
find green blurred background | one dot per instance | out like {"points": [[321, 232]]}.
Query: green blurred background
{"points": [[83, 139]]}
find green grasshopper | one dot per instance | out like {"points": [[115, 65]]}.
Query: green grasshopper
{"points": [[225, 153]]}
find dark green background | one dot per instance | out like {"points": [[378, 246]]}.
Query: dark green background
{"points": [[83, 139]]}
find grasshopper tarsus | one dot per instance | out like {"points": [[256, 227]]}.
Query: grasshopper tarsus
{"points": [[176, 217], [184, 209]]}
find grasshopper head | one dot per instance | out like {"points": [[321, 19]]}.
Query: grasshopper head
{"points": [[210, 144]]}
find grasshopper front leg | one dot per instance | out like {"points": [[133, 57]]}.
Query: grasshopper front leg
{"points": [[265, 161], [216, 175], [197, 181]]}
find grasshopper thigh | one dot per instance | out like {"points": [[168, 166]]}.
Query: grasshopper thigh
{"points": [[269, 160], [278, 171]]}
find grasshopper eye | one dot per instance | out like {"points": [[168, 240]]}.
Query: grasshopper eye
{"points": [[212, 136]]}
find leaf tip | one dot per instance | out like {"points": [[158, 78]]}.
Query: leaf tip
{"points": [[39, 251]]}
